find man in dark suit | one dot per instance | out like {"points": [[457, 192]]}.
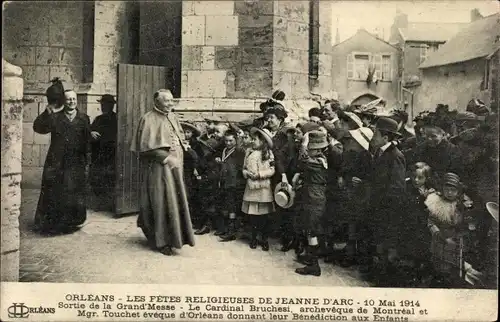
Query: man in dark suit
{"points": [[388, 192]]}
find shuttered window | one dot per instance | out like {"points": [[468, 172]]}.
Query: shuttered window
{"points": [[350, 66], [377, 64], [386, 70]]}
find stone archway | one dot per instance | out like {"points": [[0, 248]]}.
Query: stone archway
{"points": [[12, 143], [364, 99]]}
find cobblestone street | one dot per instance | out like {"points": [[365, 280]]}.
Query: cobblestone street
{"points": [[108, 250]]}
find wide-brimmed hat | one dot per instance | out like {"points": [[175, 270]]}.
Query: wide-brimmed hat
{"points": [[284, 196], [363, 136], [354, 118], [317, 140], [452, 179], [492, 208], [107, 98], [387, 124], [265, 135], [192, 127]]}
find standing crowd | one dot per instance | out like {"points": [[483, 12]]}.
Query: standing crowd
{"points": [[352, 187], [346, 185]]}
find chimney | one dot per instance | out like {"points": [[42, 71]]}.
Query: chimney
{"points": [[475, 15], [400, 21]]}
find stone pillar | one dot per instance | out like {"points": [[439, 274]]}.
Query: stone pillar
{"points": [[12, 143]]}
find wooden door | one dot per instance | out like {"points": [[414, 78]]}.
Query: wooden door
{"points": [[136, 85]]}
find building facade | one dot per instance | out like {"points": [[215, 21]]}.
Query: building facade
{"points": [[219, 54], [416, 41], [365, 68], [465, 68]]}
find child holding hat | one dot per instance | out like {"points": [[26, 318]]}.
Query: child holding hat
{"points": [[311, 183]]}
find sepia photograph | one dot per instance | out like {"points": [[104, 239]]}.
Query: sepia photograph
{"points": [[250, 143]]}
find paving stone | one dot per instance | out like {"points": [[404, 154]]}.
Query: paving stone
{"points": [[32, 268], [114, 250], [32, 277]]}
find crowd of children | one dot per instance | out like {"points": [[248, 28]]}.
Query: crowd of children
{"points": [[350, 187]]}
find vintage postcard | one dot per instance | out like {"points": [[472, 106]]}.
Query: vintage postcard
{"points": [[250, 160]]}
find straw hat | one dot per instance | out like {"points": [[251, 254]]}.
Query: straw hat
{"points": [[284, 196], [493, 209], [363, 136], [354, 118], [265, 134]]}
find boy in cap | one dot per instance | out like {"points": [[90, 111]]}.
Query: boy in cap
{"points": [[388, 190], [310, 181], [231, 185]]}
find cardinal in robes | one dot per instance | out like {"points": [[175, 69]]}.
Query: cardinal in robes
{"points": [[164, 215]]}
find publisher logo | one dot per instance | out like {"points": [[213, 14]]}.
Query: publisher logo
{"points": [[18, 310], [21, 311]]}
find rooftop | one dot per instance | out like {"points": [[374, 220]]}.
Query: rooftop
{"points": [[430, 31], [478, 39]]}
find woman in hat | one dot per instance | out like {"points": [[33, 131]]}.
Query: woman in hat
{"points": [[258, 198], [311, 184], [274, 116], [104, 134], [436, 150]]}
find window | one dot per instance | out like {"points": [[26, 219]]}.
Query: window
{"points": [[486, 76], [361, 64], [386, 74], [423, 53], [377, 65]]}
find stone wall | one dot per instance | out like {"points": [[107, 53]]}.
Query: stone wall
{"points": [[209, 27], [12, 139], [247, 49], [45, 40], [160, 38], [115, 41], [454, 85]]}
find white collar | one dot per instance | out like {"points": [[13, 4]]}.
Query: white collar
{"points": [[385, 146]]}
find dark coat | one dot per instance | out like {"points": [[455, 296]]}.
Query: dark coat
{"points": [[311, 197], [231, 169], [104, 152], [387, 195], [415, 236], [443, 158], [63, 192], [353, 199], [283, 148]]}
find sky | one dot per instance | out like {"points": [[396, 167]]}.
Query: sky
{"points": [[370, 15]]}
